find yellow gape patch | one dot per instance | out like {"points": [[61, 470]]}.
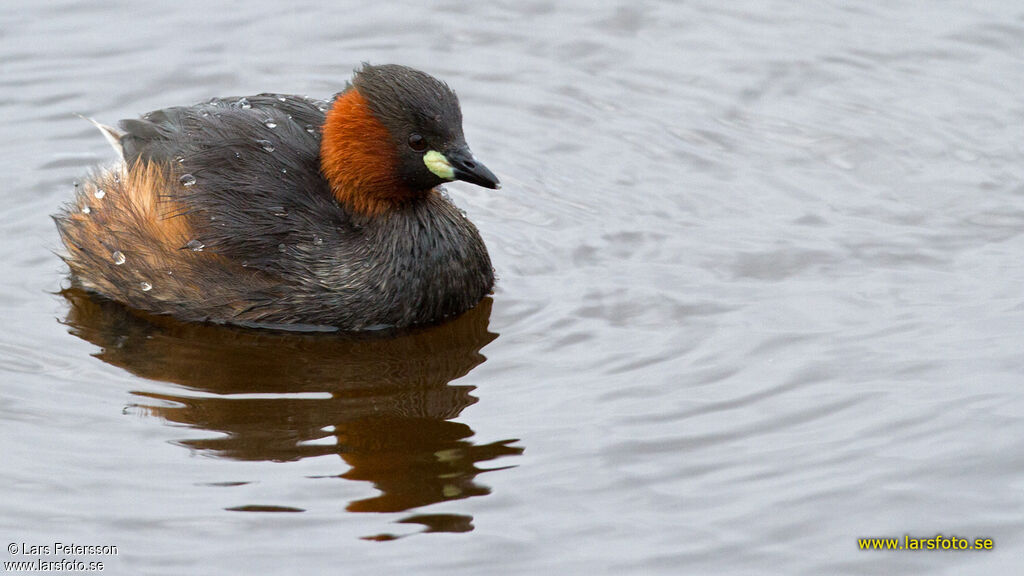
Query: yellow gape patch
{"points": [[438, 164]]}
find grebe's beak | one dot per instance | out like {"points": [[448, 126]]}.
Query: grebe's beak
{"points": [[468, 169]]}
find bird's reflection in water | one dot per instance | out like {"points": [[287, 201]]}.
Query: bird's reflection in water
{"points": [[383, 404]]}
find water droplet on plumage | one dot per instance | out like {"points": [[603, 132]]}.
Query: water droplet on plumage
{"points": [[282, 98], [284, 170], [86, 209], [146, 286], [195, 245], [310, 129], [281, 247], [243, 103], [266, 145], [317, 240], [179, 159], [187, 180], [118, 257], [99, 193], [76, 183], [270, 123]]}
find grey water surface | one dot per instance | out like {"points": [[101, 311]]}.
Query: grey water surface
{"points": [[761, 294]]}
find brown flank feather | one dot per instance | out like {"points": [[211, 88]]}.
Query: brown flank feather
{"points": [[134, 220]]}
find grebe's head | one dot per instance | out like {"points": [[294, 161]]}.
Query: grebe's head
{"points": [[395, 134]]}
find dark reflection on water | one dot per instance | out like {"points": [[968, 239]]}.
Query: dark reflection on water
{"points": [[387, 402]]}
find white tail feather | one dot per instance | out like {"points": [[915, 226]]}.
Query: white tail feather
{"points": [[111, 134]]}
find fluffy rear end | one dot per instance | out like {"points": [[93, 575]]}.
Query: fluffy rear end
{"points": [[126, 241]]}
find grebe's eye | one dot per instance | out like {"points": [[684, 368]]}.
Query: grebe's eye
{"points": [[417, 142]]}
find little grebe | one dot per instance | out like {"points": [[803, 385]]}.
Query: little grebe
{"points": [[280, 210]]}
